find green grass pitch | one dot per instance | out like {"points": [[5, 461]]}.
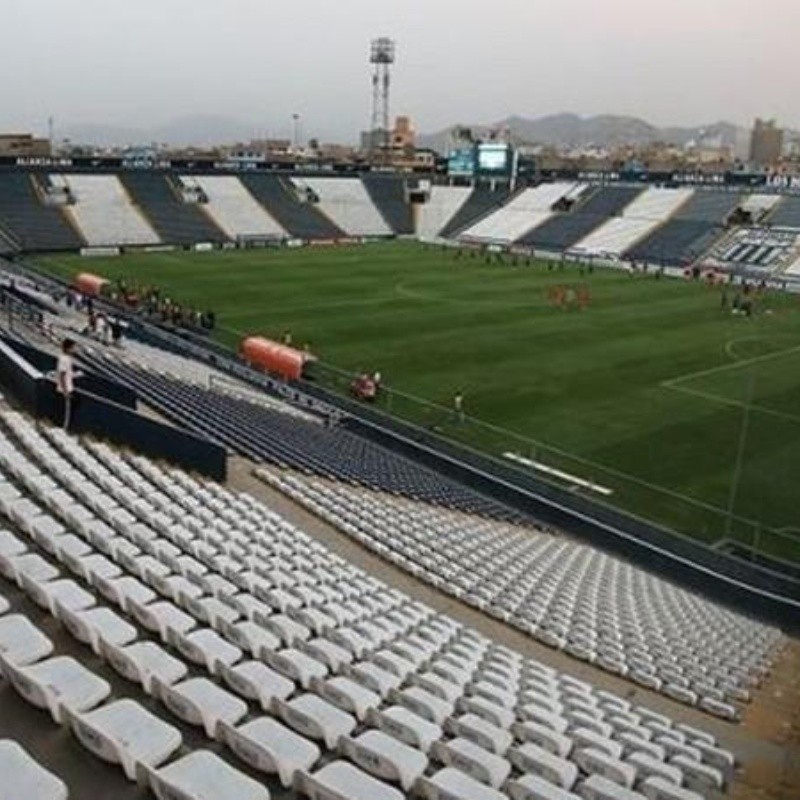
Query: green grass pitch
{"points": [[645, 392]]}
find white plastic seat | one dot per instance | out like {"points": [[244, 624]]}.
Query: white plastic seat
{"points": [[94, 624], [268, 746], [532, 787], [125, 733], [598, 762], [32, 565], [21, 642], [141, 662], [584, 738], [556, 743], [202, 775], [4, 605], [597, 787], [496, 714], [375, 678], [123, 591], [385, 757], [422, 702], [656, 788], [698, 777], [482, 732], [312, 716], [249, 636], [347, 695], [200, 702], [336, 658], [64, 592], [57, 683], [647, 767], [256, 681], [161, 617], [296, 665], [11, 547], [535, 760], [206, 648], [467, 756], [406, 726], [24, 777], [453, 784], [340, 780]]}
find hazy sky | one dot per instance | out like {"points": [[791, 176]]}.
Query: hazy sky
{"points": [[146, 62]]}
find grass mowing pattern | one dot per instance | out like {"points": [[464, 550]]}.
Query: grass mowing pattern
{"points": [[650, 381]]}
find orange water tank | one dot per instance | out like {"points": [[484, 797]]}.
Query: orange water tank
{"points": [[90, 284], [274, 357]]}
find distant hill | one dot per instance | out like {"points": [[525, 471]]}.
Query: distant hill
{"points": [[603, 130]]}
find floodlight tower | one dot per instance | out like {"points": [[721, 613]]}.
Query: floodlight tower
{"points": [[381, 57]]}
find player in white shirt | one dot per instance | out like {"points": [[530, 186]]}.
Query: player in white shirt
{"points": [[65, 376]]}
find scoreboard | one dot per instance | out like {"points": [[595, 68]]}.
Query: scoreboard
{"points": [[489, 159]]}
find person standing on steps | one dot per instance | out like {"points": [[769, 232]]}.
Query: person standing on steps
{"points": [[65, 377]]}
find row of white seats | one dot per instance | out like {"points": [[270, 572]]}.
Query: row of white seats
{"points": [[569, 596]]}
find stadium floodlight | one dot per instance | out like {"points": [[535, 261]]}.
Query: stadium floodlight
{"points": [[382, 51], [381, 57]]}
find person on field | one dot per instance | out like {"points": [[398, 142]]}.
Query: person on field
{"points": [[458, 407]]}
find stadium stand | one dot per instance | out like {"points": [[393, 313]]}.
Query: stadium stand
{"points": [[651, 208], [759, 205], [268, 435], [525, 211], [175, 221], [388, 193], [569, 596], [103, 211], [234, 210], [444, 203], [786, 213], [562, 231], [37, 228], [296, 667], [761, 248], [346, 202], [481, 202], [296, 214]]}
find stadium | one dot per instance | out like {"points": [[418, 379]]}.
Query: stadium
{"points": [[468, 480]]}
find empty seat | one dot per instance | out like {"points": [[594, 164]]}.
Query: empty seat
{"points": [[125, 733], [597, 787], [482, 732], [385, 757], [312, 716], [340, 780], [21, 642], [58, 683], [453, 784], [406, 726], [270, 747], [143, 662], [201, 775], [198, 701], [256, 681], [530, 758], [23, 777], [94, 624], [597, 762], [656, 788], [482, 765], [532, 787]]}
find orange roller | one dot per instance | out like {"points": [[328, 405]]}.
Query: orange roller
{"points": [[90, 284], [274, 357]]}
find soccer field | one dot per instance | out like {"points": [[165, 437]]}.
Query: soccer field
{"points": [[653, 392]]}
